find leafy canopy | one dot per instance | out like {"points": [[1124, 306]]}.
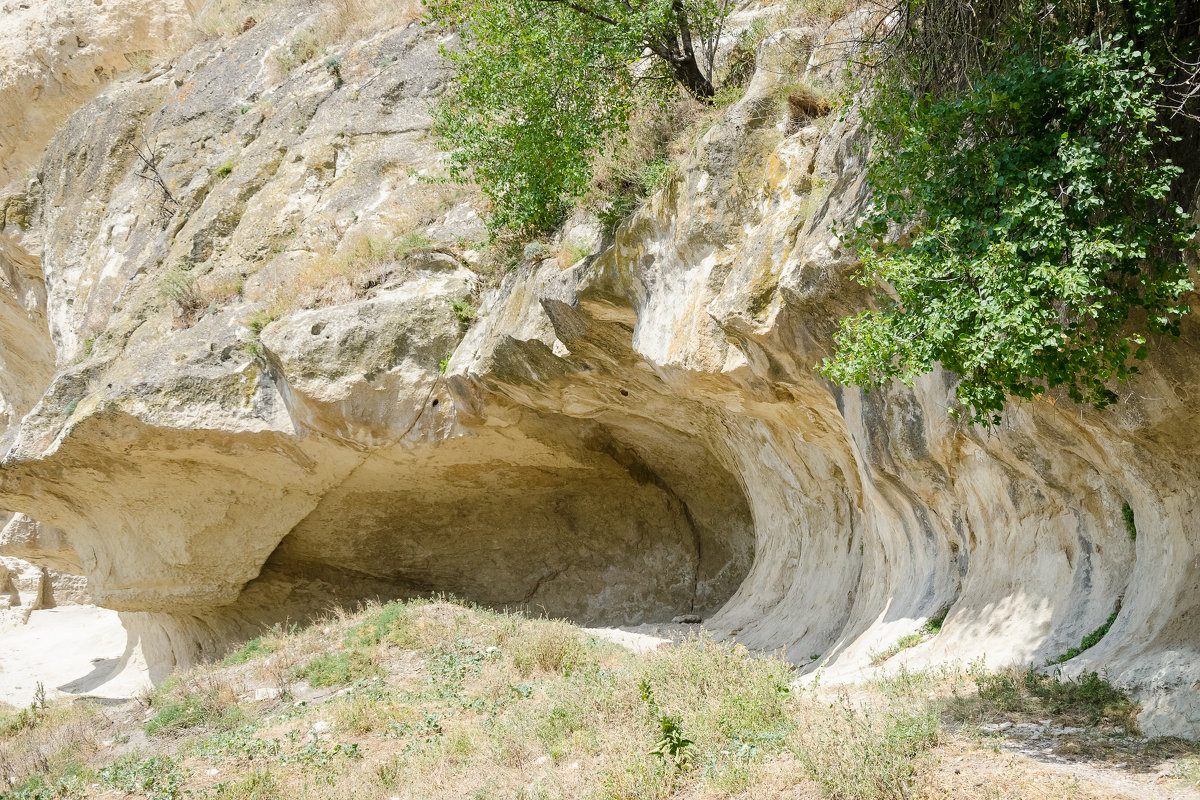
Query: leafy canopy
{"points": [[1041, 239], [541, 85]]}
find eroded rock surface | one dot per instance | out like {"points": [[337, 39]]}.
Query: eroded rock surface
{"points": [[638, 437]]}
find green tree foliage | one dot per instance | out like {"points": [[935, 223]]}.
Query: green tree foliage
{"points": [[540, 85], [1043, 235]]}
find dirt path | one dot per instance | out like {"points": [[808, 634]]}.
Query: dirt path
{"points": [[71, 650]]}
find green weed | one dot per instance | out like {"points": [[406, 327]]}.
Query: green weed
{"points": [[337, 669], [156, 777], [1130, 524], [1088, 641], [252, 649]]}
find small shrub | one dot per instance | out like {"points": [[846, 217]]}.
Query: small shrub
{"points": [[13, 723], [740, 63], [333, 65], [933, 625], [644, 159], [1130, 524], [866, 753], [179, 285], [465, 312], [203, 701], [1002, 692], [1088, 700], [394, 623], [673, 746], [196, 709], [302, 48], [723, 695], [261, 319], [572, 253]]}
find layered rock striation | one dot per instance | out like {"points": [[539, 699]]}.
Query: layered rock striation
{"points": [[273, 381]]}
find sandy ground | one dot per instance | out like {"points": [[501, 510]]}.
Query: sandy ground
{"points": [[72, 651]]}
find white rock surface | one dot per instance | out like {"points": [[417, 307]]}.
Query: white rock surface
{"points": [[638, 437], [59, 53]]}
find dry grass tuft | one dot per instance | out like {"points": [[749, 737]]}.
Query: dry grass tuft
{"points": [[203, 700], [226, 19], [805, 104], [345, 272], [50, 740], [551, 647], [866, 752]]}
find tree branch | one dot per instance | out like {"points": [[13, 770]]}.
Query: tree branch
{"points": [[587, 12]]}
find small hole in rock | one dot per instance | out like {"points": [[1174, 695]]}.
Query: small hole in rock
{"points": [[624, 393], [316, 329], [434, 403]]}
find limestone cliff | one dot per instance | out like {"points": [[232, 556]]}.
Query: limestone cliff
{"points": [[245, 318]]}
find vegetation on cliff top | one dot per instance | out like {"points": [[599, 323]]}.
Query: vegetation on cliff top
{"points": [[541, 86], [1029, 230], [1030, 227]]}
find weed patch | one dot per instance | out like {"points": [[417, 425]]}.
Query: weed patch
{"points": [[1090, 700], [255, 648], [181, 706], [335, 669], [866, 753], [156, 777]]}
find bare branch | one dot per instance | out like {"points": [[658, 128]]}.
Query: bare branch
{"points": [[147, 154]]}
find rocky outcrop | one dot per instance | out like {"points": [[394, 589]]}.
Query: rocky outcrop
{"points": [[60, 53], [25, 588], [57, 56], [274, 392]]}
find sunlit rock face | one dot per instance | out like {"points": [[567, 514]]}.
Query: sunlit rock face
{"points": [[636, 436]]}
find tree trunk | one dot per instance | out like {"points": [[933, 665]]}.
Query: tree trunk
{"points": [[686, 70]]}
